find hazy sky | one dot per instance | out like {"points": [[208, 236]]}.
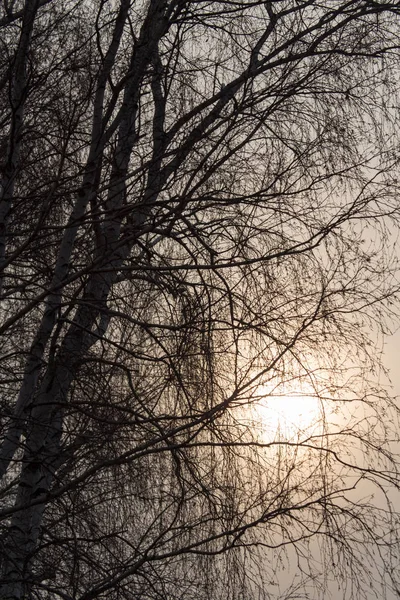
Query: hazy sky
{"points": [[391, 361]]}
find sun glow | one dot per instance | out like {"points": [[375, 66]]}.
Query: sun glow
{"points": [[288, 415]]}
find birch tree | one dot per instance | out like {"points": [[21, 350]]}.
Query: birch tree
{"points": [[197, 207]]}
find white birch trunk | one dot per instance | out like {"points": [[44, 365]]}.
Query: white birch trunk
{"points": [[43, 444], [53, 301]]}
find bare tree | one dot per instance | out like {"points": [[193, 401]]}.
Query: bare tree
{"points": [[196, 207]]}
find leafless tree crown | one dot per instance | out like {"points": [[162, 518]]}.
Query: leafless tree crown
{"points": [[198, 205]]}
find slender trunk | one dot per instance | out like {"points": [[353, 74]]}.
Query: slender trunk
{"points": [[42, 454], [34, 362], [18, 98], [53, 302]]}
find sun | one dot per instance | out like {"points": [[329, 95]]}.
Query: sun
{"points": [[287, 415]]}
